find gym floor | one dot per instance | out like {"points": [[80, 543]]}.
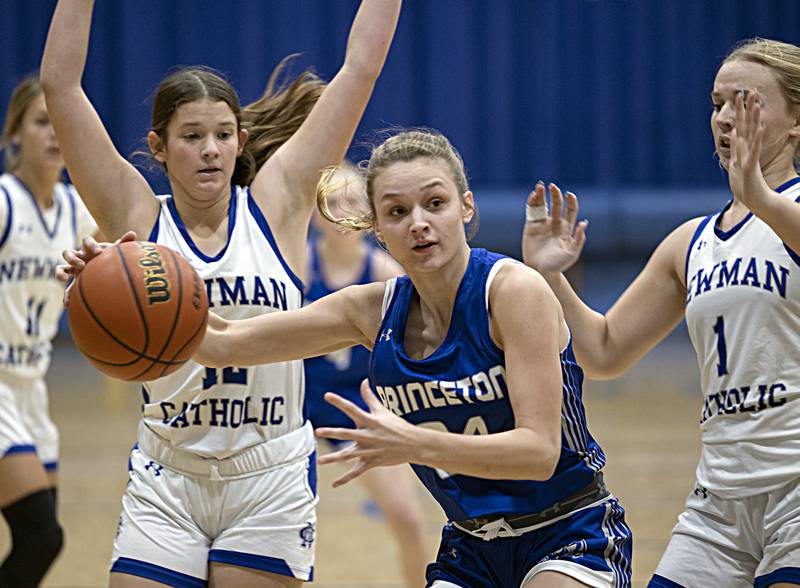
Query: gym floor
{"points": [[646, 422]]}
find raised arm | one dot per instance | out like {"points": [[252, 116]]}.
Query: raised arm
{"points": [[113, 190], [345, 318], [285, 186], [648, 310]]}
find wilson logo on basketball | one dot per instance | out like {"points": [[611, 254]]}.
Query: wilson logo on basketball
{"points": [[155, 279]]}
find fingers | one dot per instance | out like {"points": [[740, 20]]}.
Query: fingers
{"points": [[64, 273], [556, 201], [347, 407], [572, 208], [355, 472], [337, 456], [74, 262], [369, 396], [129, 236], [580, 234], [338, 433]]}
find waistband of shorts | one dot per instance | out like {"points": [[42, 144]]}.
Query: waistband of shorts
{"points": [[513, 525], [294, 446]]}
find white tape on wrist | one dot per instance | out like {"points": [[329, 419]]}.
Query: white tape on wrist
{"points": [[535, 214]]}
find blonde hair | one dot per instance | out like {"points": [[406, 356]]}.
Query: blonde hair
{"points": [[21, 98], [783, 59], [403, 146]]}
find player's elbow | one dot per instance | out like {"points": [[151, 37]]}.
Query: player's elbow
{"points": [[543, 460]]}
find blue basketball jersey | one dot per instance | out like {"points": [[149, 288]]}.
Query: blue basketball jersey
{"points": [[341, 371], [461, 387]]}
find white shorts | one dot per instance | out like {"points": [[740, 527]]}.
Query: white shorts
{"points": [[25, 424], [174, 524], [735, 543]]}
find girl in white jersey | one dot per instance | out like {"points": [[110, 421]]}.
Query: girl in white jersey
{"points": [[39, 217], [734, 276], [222, 483]]}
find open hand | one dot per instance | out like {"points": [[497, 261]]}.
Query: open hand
{"points": [[744, 169], [380, 438], [552, 242]]}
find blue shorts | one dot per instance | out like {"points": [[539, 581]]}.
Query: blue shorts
{"points": [[593, 545]]}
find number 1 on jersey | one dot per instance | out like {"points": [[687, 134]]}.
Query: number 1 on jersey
{"points": [[722, 352]]}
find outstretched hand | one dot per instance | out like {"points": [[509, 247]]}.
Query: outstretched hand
{"points": [[551, 241], [78, 258], [379, 439], [744, 169]]}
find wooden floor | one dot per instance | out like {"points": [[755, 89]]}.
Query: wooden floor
{"points": [[646, 422]]}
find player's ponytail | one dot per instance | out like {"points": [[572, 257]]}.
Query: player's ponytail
{"points": [[275, 117]]}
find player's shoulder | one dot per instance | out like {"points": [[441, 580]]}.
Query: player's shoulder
{"points": [[514, 282], [677, 242]]}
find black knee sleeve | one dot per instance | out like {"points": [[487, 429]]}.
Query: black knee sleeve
{"points": [[36, 539]]}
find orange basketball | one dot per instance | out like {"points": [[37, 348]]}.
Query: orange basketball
{"points": [[138, 311]]}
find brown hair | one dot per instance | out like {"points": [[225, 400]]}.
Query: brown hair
{"points": [[21, 98], [404, 146], [783, 59], [271, 119]]}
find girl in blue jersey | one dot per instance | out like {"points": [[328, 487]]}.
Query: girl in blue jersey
{"points": [[733, 275], [338, 258], [475, 384], [218, 495]]}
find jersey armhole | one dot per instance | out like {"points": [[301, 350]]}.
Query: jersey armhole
{"points": [[9, 216], [795, 257], [388, 293], [498, 265], [695, 237]]}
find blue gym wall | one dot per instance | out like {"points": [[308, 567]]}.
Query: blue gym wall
{"points": [[607, 97]]}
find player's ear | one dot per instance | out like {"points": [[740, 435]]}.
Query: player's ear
{"points": [[243, 136], [467, 207], [157, 147]]}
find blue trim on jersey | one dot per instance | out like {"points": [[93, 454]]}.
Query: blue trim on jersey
{"points": [[795, 257], [50, 233], [10, 217], [20, 449], [50, 466], [661, 582], [725, 235], [312, 472], [143, 569], [788, 184], [153, 236], [788, 575], [176, 217], [695, 237], [262, 223], [248, 560]]}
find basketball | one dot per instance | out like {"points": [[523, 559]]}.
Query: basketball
{"points": [[137, 311]]}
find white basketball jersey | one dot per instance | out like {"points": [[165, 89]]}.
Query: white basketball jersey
{"points": [[219, 412], [31, 242], [743, 314]]}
